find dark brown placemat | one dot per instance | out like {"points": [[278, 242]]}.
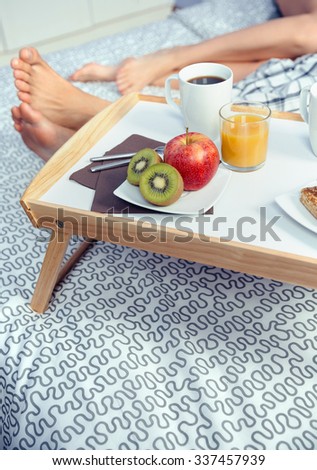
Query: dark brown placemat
{"points": [[105, 201], [106, 181]]}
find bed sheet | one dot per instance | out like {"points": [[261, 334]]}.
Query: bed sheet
{"points": [[145, 351]]}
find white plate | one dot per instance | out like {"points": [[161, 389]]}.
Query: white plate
{"points": [[291, 204], [190, 202]]}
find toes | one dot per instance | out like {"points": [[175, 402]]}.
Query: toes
{"points": [[25, 54], [24, 97], [121, 88], [122, 84], [76, 76], [129, 90], [16, 113], [30, 115], [125, 87], [125, 81], [17, 119], [14, 63], [15, 110], [18, 64], [23, 86], [21, 75], [29, 55], [18, 126], [25, 114]]}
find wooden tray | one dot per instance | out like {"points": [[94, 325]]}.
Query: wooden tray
{"points": [[293, 260]]}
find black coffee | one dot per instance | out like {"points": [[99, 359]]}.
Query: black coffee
{"points": [[206, 80]]}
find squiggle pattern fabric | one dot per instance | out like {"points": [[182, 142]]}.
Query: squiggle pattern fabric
{"points": [[144, 351]]}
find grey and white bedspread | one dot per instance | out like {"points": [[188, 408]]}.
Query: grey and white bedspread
{"points": [[143, 351]]}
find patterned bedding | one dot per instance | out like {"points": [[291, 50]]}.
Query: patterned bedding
{"points": [[144, 351]]}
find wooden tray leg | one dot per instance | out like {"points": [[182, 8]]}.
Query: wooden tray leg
{"points": [[50, 269]]}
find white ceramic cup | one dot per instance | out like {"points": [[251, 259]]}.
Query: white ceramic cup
{"points": [[308, 110], [200, 103]]}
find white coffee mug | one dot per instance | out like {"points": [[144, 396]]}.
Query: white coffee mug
{"points": [[200, 102], [308, 110]]}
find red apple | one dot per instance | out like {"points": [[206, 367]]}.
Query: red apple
{"points": [[195, 156]]}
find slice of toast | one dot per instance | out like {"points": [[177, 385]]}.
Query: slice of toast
{"points": [[308, 197]]}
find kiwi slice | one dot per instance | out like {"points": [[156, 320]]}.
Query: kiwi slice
{"points": [[161, 184], [142, 160]]}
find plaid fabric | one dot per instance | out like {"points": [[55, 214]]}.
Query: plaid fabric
{"points": [[279, 82]]}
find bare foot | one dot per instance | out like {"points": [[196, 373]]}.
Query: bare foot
{"points": [[95, 72], [39, 134], [46, 91], [134, 74]]}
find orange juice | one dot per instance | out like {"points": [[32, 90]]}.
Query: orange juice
{"points": [[244, 140]]}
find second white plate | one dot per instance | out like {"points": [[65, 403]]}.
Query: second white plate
{"points": [[291, 204], [190, 202]]}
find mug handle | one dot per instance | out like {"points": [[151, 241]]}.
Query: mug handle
{"points": [[303, 105], [168, 94]]}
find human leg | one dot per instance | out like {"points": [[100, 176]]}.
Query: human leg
{"points": [[46, 91], [127, 80], [153, 69]]}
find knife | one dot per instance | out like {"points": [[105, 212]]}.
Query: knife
{"points": [[107, 166], [112, 157]]}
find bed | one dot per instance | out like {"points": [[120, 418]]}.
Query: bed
{"points": [[140, 350]]}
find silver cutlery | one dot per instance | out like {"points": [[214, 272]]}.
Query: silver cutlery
{"points": [[106, 157], [159, 150], [107, 166]]}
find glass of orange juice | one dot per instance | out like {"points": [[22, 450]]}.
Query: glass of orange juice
{"points": [[244, 129]]}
